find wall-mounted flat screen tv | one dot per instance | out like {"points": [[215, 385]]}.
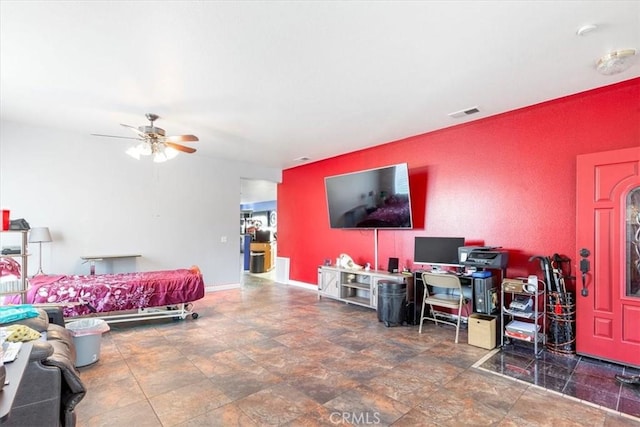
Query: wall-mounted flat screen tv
{"points": [[437, 251], [373, 198]]}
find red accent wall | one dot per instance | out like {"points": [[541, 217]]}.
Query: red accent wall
{"points": [[507, 180]]}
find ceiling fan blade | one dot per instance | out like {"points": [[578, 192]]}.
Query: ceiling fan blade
{"points": [[179, 147], [181, 138], [114, 136], [135, 129]]}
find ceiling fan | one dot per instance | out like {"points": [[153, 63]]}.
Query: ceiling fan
{"points": [[154, 142]]}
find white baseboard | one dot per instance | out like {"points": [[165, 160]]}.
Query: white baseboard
{"points": [[302, 285], [215, 288]]}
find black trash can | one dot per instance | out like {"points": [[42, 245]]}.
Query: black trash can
{"points": [[392, 299], [257, 262]]}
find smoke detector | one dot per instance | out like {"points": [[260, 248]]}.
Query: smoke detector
{"points": [[586, 29], [615, 62]]}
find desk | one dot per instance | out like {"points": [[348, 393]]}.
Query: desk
{"points": [[15, 370], [481, 293], [92, 260]]}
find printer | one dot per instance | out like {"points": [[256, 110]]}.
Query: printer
{"points": [[486, 257]]}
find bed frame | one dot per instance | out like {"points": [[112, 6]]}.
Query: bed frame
{"points": [[178, 312], [117, 298]]}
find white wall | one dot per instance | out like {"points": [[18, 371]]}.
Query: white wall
{"points": [[96, 200]]}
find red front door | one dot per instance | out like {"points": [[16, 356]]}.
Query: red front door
{"points": [[608, 239]]}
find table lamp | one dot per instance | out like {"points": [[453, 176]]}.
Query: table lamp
{"points": [[39, 235]]}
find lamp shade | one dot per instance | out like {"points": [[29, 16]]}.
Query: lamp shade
{"points": [[39, 235]]}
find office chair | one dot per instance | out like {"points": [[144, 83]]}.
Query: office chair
{"points": [[453, 298]]}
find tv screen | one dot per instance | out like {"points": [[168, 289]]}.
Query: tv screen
{"points": [[437, 250], [374, 198]]}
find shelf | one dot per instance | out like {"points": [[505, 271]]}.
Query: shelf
{"points": [[523, 337], [358, 300], [521, 314], [536, 318], [3, 293], [13, 255], [356, 285], [20, 285]]}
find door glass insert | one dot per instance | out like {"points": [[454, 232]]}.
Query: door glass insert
{"points": [[633, 243]]}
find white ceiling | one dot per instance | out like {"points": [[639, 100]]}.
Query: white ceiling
{"points": [[268, 82]]}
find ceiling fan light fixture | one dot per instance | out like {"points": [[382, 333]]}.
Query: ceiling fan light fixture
{"points": [[155, 143], [142, 149], [171, 153], [134, 152], [615, 62], [159, 157]]}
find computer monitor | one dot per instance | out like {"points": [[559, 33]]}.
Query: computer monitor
{"points": [[437, 251]]}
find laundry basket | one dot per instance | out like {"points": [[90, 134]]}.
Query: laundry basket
{"points": [[87, 334]]}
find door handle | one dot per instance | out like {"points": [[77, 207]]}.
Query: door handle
{"points": [[584, 269]]}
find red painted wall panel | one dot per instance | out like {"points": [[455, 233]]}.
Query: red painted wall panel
{"points": [[507, 180]]}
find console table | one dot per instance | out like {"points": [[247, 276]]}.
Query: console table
{"points": [[92, 260], [358, 287], [15, 370]]}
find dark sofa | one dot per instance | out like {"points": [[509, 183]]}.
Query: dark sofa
{"points": [[51, 386]]}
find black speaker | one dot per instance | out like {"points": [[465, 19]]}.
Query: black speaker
{"points": [[393, 265]]}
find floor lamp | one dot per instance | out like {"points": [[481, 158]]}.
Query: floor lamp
{"points": [[39, 235]]}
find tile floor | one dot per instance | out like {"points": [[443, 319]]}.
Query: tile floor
{"points": [[270, 354], [579, 377]]}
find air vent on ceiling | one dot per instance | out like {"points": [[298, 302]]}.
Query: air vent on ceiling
{"points": [[465, 112]]}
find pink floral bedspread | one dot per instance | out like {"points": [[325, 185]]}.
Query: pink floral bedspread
{"points": [[117, 292]]}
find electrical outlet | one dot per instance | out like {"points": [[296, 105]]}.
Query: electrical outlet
{"points": [[223, 239]]}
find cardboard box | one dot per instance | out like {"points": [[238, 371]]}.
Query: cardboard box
{"points": [[482, 331]]}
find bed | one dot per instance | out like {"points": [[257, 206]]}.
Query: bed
{"points": [[395, 212], [120, 297]]}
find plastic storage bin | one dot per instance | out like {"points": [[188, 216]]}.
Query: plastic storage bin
{"points": [[87, 334]]}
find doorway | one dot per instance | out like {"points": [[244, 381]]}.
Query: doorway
{"points": [[258, 226]]}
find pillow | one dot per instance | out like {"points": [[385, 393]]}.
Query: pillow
{"points": [[9, 267], [11, 313]]}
